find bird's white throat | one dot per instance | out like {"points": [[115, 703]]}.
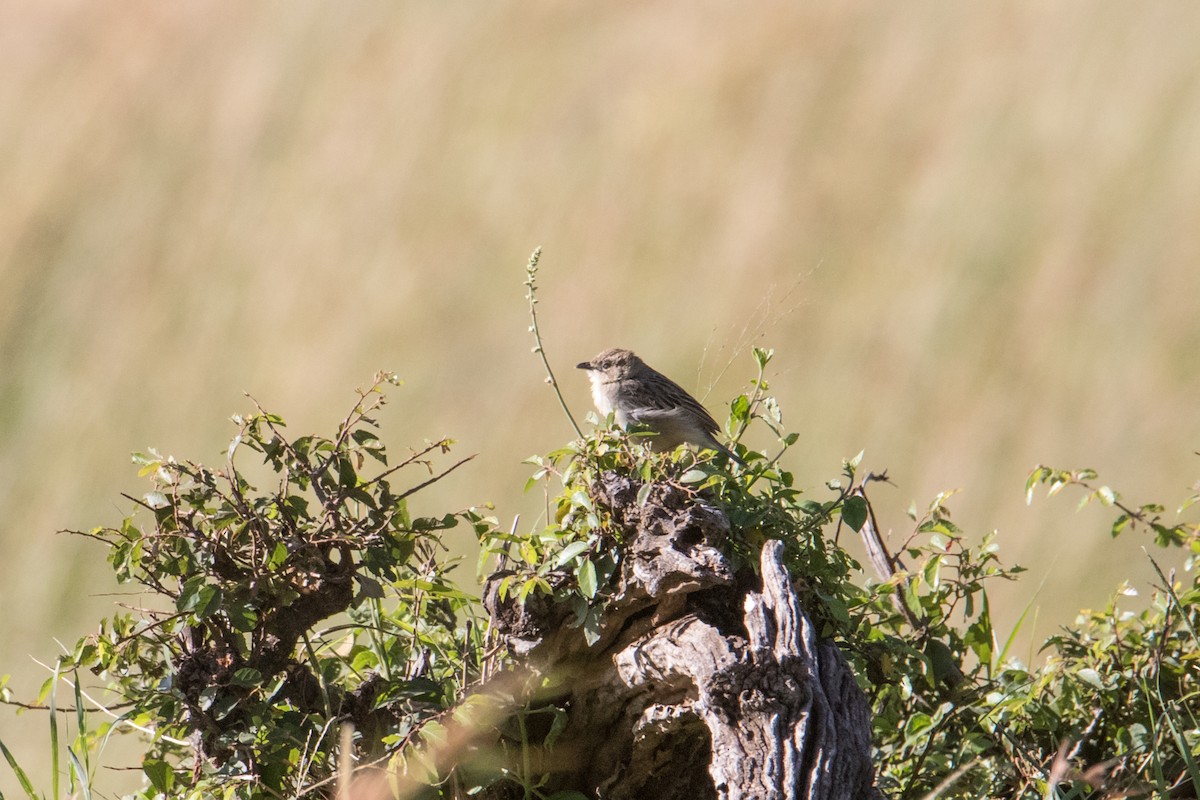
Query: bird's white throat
{"points": [[600, 393]]}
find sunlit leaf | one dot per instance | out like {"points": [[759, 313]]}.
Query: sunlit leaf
{"points": [[586, 575], [570, 552]]}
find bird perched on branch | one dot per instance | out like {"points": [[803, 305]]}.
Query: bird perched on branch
{"points": [[633, 392]]}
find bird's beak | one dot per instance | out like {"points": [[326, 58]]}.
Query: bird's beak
{"points": [[583, 365]]}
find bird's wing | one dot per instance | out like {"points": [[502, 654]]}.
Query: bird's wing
{"points": [[655, 417], [669, 395]]}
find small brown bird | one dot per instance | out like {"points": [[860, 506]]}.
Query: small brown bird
{"points": [[626, 387]]}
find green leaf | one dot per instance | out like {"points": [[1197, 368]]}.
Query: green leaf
{"points": [[1032, 481], [155, 500], [366, 438], [912, 599], [1092, 678], [1120, 524], [917, 724], [980, 638], [279, 555], [242, 617], [223, 706], [189, 593], [693, 476], [591, 626], [368, 587], [528, 586], [246, 676], [22, 777], [854, 512], [932, 572], [569, 553], [147, 463], [208, 601], [739, 409], [347, 477], [534, 479], [198, 597], [161, 776], [586, 575]]}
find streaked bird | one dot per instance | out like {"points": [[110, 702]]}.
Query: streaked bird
{"points": [[633, 392]]}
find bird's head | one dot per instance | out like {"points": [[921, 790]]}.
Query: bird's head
{"points": [[612, 365]]}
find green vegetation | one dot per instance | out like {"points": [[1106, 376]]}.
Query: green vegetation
{"points": [[226, 665], [300, 624]]}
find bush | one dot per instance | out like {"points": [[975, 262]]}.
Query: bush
{"points": [[278, 615], [227, 666]]}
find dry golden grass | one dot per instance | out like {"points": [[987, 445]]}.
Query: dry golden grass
{"points": [[967, 230]]}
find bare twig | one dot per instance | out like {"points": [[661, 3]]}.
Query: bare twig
{"points": [[884, 562], [951, 779], [434, 479], [441, 444]]}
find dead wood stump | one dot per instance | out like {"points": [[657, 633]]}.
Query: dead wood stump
{"points": [[702, 684]]}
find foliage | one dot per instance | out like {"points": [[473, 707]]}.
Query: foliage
{"points": [[1114, 706], [243, 691], [576, 554], [1113, 711], [908, 636], [226, 663]]}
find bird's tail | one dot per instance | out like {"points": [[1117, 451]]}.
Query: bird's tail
{"points": [[715, 445]]}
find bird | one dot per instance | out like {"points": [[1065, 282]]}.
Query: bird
{"points": [[634, 392]]}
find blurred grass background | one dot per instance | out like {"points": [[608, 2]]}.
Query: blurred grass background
{"points": [[968, 231]]}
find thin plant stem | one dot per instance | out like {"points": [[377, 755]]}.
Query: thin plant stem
{"points": [[531, 295]]}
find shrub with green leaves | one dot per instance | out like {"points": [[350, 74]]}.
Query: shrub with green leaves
{"points": [[225, 662], [955, 714], [285, 597], [909, 638]]}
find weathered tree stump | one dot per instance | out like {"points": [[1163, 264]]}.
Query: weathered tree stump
{"points": [[702, 684]]}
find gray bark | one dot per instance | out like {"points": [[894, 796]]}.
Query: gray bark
{"points": [[703, 684]]}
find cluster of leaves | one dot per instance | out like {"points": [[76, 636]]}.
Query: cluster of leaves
{"points": [[925, 643], [234, 664], [1120, 687], [1114, 710], [1148, 516]]}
